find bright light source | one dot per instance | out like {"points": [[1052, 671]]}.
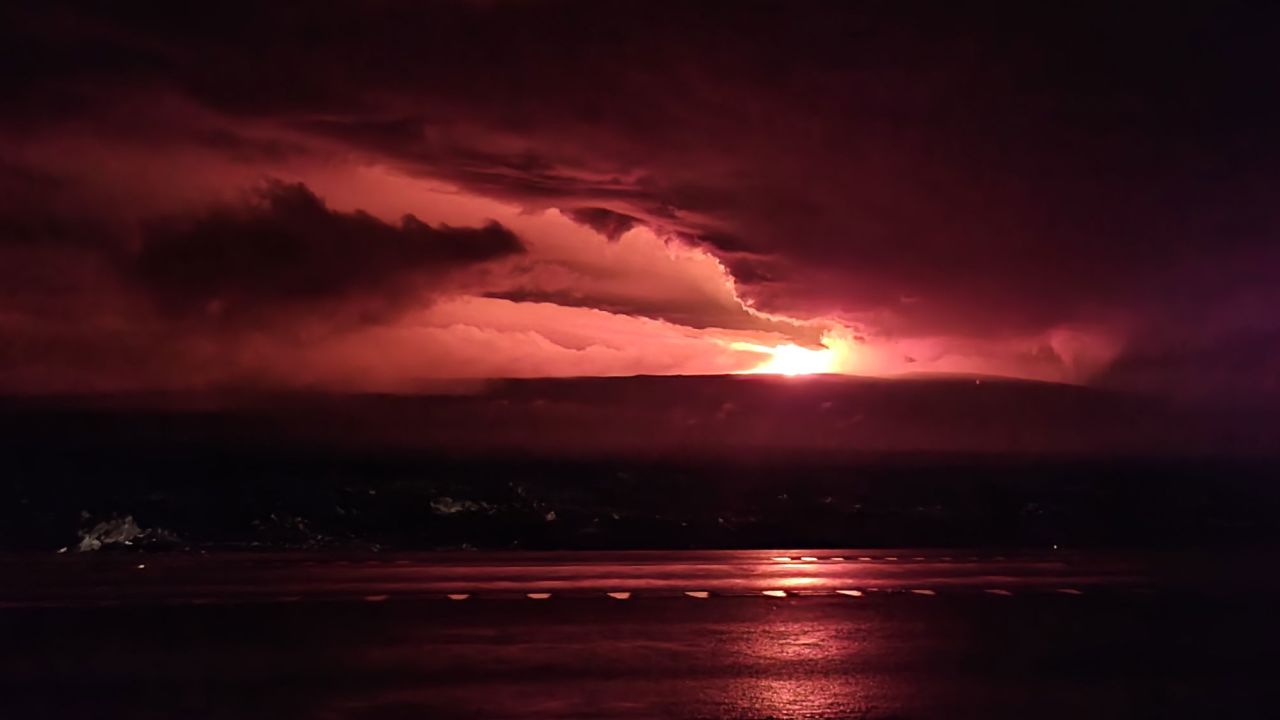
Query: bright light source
{"points": [[791, 359]]}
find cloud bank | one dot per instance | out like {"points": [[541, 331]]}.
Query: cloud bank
{"points": [[219, 194]]}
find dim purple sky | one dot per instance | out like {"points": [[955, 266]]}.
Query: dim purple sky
{"points": [[376, 195]]}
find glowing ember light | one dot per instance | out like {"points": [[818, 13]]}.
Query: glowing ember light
{"points": [[836, 355], [775, 593], [799, 582], [791, 359]]}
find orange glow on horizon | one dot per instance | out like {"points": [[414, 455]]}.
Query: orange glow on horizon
{"points": [[791, 359]]}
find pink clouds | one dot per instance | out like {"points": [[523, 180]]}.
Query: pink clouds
{"points": [[968, 194], [573, 302], [613, 295], [487, 337], [627, 262]]}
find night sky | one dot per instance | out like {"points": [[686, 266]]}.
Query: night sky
{"points": [[379, 196]]}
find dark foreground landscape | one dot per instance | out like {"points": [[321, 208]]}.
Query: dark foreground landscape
{"points": [[546, 549], [615, 463]]}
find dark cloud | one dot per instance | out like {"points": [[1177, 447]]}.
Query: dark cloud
{"points": [[40, 209], [287, 251], [1244, 367], [91, 303], [926, 169], [608, 223]]}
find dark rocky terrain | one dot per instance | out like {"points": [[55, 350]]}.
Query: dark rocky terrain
{"points": [[638, 462]]}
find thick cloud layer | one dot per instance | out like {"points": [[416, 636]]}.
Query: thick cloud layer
{"points": [[287, 252], [1060, 191], [177, 299]]}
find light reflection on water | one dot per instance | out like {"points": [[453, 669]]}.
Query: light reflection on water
{"points": [[486, 575], [798, 664], [730, 658], [799, 581], [694, 639]]}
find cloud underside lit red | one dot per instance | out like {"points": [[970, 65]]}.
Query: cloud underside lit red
{"points": [[474, 190]]}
